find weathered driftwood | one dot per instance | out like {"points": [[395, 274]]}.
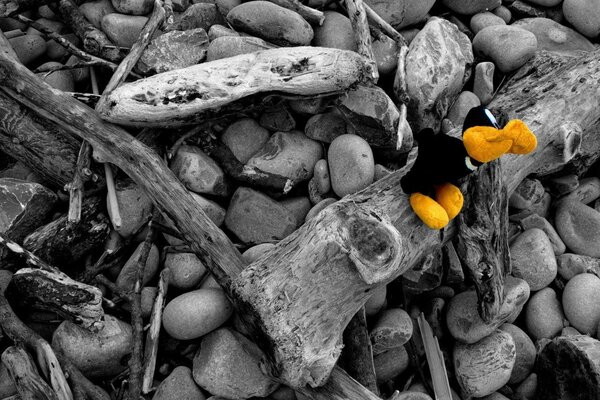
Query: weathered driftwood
{"points": [[63, 243], [483, 236], [335, 244], [81, 175], [186, 96], [56, 292], [29, 383], [362, 36]]}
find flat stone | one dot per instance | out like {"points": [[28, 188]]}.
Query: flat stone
{"points": [[437, 66], [179, 385], [298, 206], [535, 221], [351, 164], [555, 37], [174, 50], [122, 29], [228, 365], [544, 316], [581, 302], [584, 15], [586, 192], [532, 259], [570, 265], [29, 48], [256, 218], [61, 80], [484, 19], [135, 207], [464, 103], [326, 127], [198, 172], [289, 154], [245, 138], [401, 13], [579, 227], [230, 46], [24, 207], [94, 11], [483, 83], [525, 353], [390, 364], [336, 32], [271, 22], [133, 7], [509, 47], [470, 7], [217, 31]]}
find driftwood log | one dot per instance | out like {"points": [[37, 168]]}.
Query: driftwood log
{"points": [[367, 238], [29, 383]]}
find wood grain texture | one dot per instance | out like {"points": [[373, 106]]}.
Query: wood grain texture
{"points": [[30, 385]]}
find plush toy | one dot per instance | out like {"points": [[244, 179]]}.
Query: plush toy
{"points": [[443, 160]]}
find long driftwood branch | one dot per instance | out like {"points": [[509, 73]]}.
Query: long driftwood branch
{"points": [[29, 383], [380, 240]]}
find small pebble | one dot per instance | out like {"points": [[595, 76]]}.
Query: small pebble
{"points": [[390, 364], [527, 193], [535, 221], [526, 353], [503, 13], [133, 7], [255, 252], [230, 46], [483, 20], [569, 331], [544, 316], [402, 13], [321, 176], [584, 15], [28, 48], [312, 106], [586, 192], [351, 164], [533, 259], [581, 302], [336, 32], [245, 137], [579, 227], [298, 206], [179, 385], [563, 184], [570, 265], [278, 119], [217, 31], [509, 47], [128, 275], [200, 15], [122, 29], [392, 329], [185, 270], [464, 103], [198, 172], [61, 80], [385, 51], [94, 11], [326, 127]]}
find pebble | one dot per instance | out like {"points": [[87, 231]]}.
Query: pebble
{"points": [[402, 13], [28, 48], [55, 51], [200, 15], [392, 329], [179, 385], [133, 7], [351, 164], [298, 206], [245, 137], [94, 11], [45, 12], [570, 265], [482, 368], [180, 5], [5, 278], [102, 354], [527, 193], [196, 313], [438, 64], [535, 221], [581, 302], [563, 184], [217, 31], [544, 316], [464, 103], [587, 191], [256, 218], [533, 259], [309, 106], [271, 22], [527, 389], [326, 127], [579, 227], [198, 172], [508, 46], [230, 46], [555, 37], [289, 154], [277, 119], [584, 15], [503, 13], [317, 208], [409, 395], [174, 50], [135, 207], [381, 172], [56, 26], [228, 365], [483, 83], [376, 302], [123, 30], [61, 80], [185, 270], [569, 331], [255, 252], [484, 19], [336, 32], [470, 7], [526, 353], [128, 275], [321, 176], [390, 364], [385, 52], [283, 393]]}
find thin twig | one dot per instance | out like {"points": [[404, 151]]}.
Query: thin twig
{"points": [[384, 26], [75, 187], [113, 204], [54, 68], [112, 287], [362, 35]]}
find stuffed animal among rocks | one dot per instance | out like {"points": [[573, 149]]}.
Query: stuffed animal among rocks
{"points": [[442, 160]]}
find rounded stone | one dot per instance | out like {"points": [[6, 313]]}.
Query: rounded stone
{"points": [[401, 13], [508, 46], [133, 7], [464, 103], [320, 206], [55, 51], [581, 302], [392, 329], [271, 22], [544, 316], [503, 13], [245, 137], [128, 274], [525, 353], [470, 7], [254, 252], [385, 51], [79, 74], [61, 80], [376, 301], [336, 32], [533, 258], [579, 227], [482, 20], [483, 83], [351, 164], [179, 385], [94, 11], [584, 15], [28, 47], [186, 270], [194, 314], [553, 36], [390, 364], [230, 46], [122, 29], [321, 176]]}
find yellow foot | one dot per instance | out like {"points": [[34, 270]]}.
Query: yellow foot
{"points": [[430, 211], [450, 198], [485, 143], [524, 141]]}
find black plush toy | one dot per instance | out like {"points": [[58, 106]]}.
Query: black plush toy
{"points": [[443, 160]]}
